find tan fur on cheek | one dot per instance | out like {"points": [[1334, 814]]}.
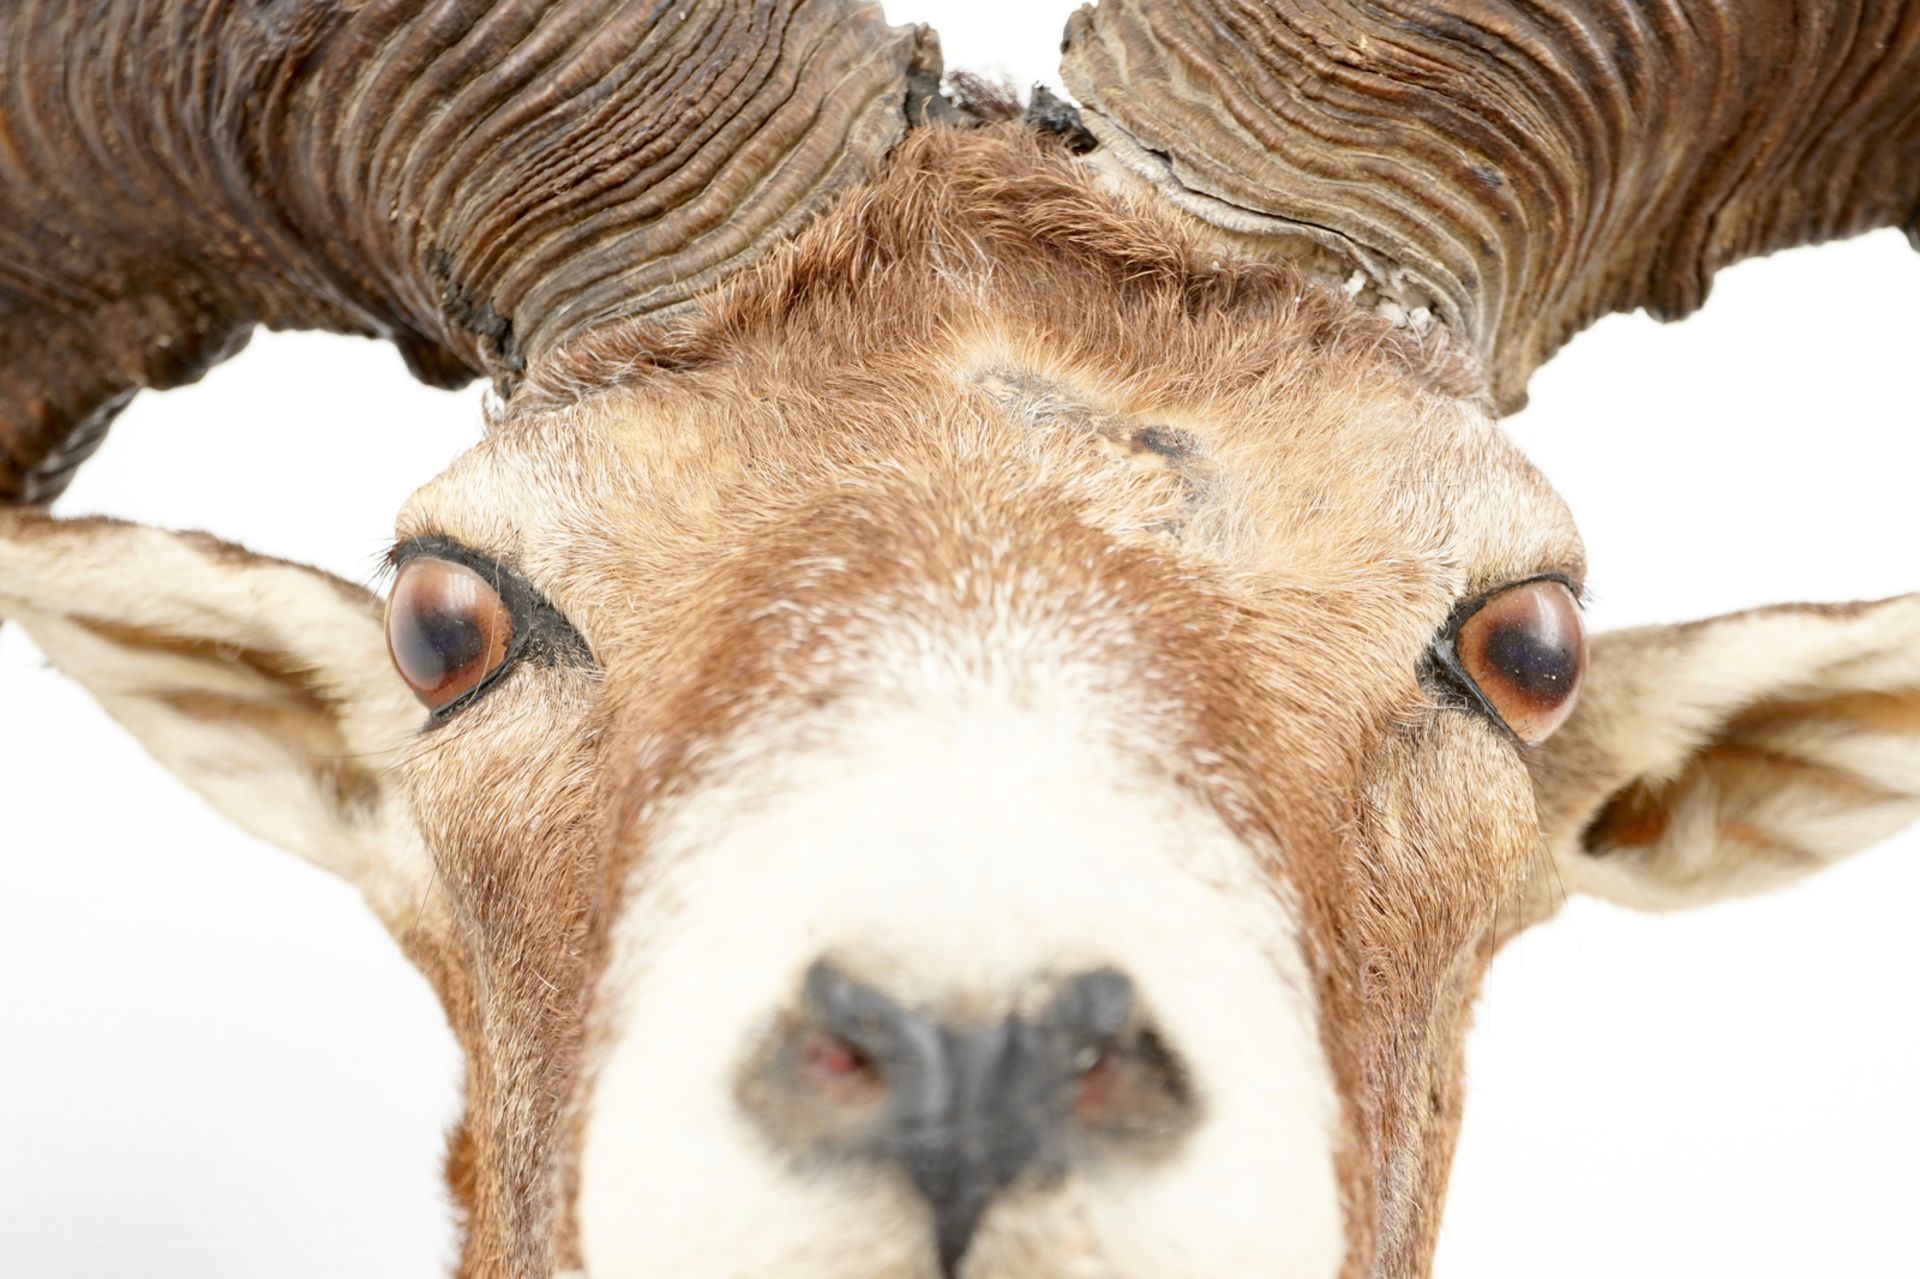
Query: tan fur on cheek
{"points": [[1448, 832], [509, 808]]}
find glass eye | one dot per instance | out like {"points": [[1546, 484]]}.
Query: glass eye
{"points": [[1525, 649], [447, 629]]}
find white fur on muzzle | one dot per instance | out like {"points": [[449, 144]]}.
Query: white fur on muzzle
{"points": [[953, 844]]}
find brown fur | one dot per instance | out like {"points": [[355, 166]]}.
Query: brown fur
{"points": [[787, 448], [983, 387]]}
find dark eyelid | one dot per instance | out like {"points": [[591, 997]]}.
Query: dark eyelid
{"points": [[541, 632], [442, 548]]}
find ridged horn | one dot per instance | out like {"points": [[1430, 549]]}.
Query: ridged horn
{"points": [[477, 180], [1517, 167]]}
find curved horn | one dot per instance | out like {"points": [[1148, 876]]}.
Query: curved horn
{"points": [[478, 180], [1520, 167]]}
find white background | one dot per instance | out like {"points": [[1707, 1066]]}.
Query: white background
{"points": [[213, 1063]]}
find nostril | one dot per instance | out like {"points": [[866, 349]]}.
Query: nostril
{"points": [[1097, 1073], [855, 1029], [832, 1056], [828, 1078], [1128, 1086], [1134, 1092], [836, 1067]]}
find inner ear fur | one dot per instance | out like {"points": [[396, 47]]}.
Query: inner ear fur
{"points": [[262, 684], [1735, 754]]}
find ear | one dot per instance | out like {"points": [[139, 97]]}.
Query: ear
{"points": [[264, 685], [1735, 754]]}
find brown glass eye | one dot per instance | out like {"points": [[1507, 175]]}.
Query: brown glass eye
{"points": [[447, 629], [1525, 649]]}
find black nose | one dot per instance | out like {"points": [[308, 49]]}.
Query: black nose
{"points": [[967, 1110]]}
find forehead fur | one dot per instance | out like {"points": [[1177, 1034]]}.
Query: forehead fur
{"points": [[985, 299]]}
